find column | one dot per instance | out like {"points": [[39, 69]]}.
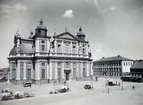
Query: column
{"points": [[56, 70], [37, 45], [47, 71], [81, 69], [71, 48], [71, 67], [88, 72], [32, 72], [18, 71], [24, 73], [10, 67], [55, 44], [48, 45], [91, 70], [63, 75], [37, 71], [51, 77], [77, 69], [62, 47]]}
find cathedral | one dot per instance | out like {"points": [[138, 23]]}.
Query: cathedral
{"points": [[44, 59]]}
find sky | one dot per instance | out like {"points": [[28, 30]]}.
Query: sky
{"points": [[112, 27]]}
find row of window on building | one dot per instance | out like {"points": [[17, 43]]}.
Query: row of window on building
{"points": [[29, 71], [67, 48], [113, 64]]}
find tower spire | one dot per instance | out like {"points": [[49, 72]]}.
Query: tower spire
{"points": [[66, 28], [41, 22], [54, 32], [80, 29]]}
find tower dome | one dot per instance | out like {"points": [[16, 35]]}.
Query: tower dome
{"points": [[81, 35], [41, 30]]}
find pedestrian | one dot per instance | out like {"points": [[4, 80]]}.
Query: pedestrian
{"points": [[133, 87]]}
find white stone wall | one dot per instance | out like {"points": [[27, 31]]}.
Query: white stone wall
{"points": [[126, 65]]}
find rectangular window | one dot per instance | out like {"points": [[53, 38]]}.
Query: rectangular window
{"points": [[43, 72], [67, 47], [59, 48], [59, 72], [28, 74], [74, 72], [21, 70], [83, 51], [43, 47], [74, 49], [84, 72], [89, 69], [13, 73]]}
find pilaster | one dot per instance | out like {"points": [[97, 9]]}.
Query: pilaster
{"points": [[18, 71], [47, 71], [24, 73], [32, 72], [51, 70], [10, 66], [56, 70], [87, 68], [37, 70], [62, 72], [81, 69], [71, 67]]}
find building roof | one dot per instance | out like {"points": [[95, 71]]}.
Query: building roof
{"points": [[137, 65], [115, 58], [41, 26], [80, 33], [24, 48], [73, 36]]}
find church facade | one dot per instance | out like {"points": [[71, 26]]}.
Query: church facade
{"points": [[44, 59]]}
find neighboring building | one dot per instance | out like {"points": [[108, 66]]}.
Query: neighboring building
{"points": [[4, 72], [46, 59], [112, 66], [137, 69]]}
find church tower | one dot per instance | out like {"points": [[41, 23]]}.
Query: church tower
{"points": [[41, 30]]}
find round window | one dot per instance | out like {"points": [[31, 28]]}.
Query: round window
{"points": [[43, 41]]}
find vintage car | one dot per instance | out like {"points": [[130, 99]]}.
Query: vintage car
{"points": [[87, 86]]}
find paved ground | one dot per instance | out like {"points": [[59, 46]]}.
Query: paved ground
{"points": [[79, 96]]}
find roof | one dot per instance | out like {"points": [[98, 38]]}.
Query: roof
{"points": [[80, 33], [41, 26], [23, 48], [115, 58], [64, 33], [137, 65], [61, 34]]}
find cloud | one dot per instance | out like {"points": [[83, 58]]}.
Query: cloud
{"points": [[98, 50], [20, 7], [6, 8], [110, 8], [68, 14]]}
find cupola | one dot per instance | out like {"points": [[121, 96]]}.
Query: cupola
{"points": [[80, 35], [41, 30]]}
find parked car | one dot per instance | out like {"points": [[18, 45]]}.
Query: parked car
{"points": [[3, 79], [7, 96], [110, 83], [87, 86]]}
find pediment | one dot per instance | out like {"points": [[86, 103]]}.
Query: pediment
{"points": [[66, 35]]}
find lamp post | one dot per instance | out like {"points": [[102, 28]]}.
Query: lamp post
{"points": [[122, 82], [92, 81], [108, 87]]}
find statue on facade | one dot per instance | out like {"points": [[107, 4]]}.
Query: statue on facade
{"points": [[89, 52]]}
